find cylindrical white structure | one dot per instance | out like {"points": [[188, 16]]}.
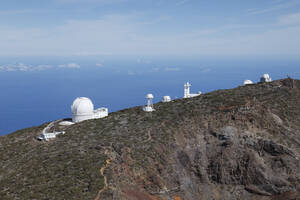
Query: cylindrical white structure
{"points": [[82, 109], [149, 100], [149, 107], [187, 90]]}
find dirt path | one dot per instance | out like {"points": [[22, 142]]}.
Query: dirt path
{"points": [[149, 135], [105, 179]]}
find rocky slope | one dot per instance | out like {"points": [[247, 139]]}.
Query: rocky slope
{"points": [[242, 143]]}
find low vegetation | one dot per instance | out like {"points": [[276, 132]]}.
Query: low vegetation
{"points": [[242, 143]]}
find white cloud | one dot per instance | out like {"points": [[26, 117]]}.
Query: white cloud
{"points": [[90, 1], [172, 69], [128, 35], [100, 65], [283, 41], [289, 19], [89, 53], [143, 61], [70, 65], [16, 12], [88, 37], [179, 3], [205, 70], [43, 67], [155, 69], [23, 67], [131, 73], [280, 5]]}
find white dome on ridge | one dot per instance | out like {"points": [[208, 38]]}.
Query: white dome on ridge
{"points": [[248, 82], [266, 76], [82, 106], [83, 109]]}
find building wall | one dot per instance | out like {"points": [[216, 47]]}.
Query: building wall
{"points": [[100, 113], [79, 118]]}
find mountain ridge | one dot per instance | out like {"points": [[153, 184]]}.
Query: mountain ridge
{"points": [[241, 143]]}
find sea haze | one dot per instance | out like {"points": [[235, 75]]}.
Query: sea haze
{"points": [[40, 90]]}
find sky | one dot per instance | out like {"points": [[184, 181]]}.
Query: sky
{"points": [[47, 47], [269, 28]]}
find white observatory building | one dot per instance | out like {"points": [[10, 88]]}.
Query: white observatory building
{"points": [[265, 78], [187, 93], [83, 109], [248, 82], [166, 99], [149, 106]]}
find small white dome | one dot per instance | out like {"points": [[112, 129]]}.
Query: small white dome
{"points": [[248, 82], [149, 96], [82, 106], [266, 76]]}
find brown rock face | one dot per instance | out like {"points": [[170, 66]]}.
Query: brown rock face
{"points": [[242, 143]]}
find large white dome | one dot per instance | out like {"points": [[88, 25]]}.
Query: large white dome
{"points": [[83, 109], [82, 106]]}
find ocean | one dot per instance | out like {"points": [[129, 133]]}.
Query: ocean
{"points": [[34, 96]]}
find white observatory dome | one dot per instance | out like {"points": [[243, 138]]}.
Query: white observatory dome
{"points": [[82, 105], [266, 76], [82, 109], [248, 82]]}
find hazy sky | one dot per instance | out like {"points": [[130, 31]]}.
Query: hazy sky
{"points": [[150, 27]]}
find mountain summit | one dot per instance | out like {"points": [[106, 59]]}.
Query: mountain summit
{"points": [[241, 143]]}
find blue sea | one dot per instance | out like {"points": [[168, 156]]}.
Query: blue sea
{"points": [[32, 97]]}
